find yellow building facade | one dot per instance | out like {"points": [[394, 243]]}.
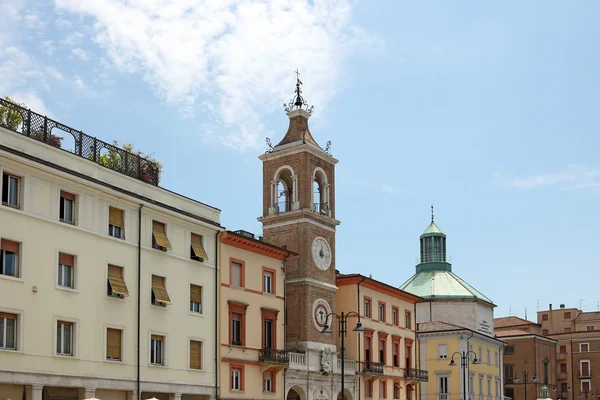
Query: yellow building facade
{"points": [[386, 352], [252, 317]]}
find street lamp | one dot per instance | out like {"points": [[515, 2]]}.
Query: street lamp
{"points": [[525, 375], [342, 331], [464, 363]]}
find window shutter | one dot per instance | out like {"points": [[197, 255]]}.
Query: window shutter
{"points": [[115, 217], [7, 315], [115, 277], [156, 337], [67, 195], [66, 259], [195, 354], [196, 294], [158, 287], [236, 274], [158, 231], [9, 245], [198, 247], [113, 343]]}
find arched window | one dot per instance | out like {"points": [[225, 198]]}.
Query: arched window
{"points": [[320, 192], [284, 190]]}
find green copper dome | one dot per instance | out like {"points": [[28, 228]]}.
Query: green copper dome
{"points": [[433, 230]]}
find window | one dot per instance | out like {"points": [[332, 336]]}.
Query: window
{"points": [[443, 350], [407, 319], [368, 342], [268, 281], [196, 299], [157, 350], [480, 355], [544, 317], [584, 370], [195, 354], [237, 382], [160, 241], [382, 312], [495, 358], [545, 373], [408, 353], [268, 386], [11, 186], [509, 370], [67, 207], [567, 330], [584, 347], [66, 270], [237, 323], [8, 331], [489, 385], [563, 349], [489, 357], [509, 392], [237, 274], [409, 390], [586, 385], [396, 390], [382, 351], [563, 368], [443, 387], [268, 334], [116, 223], [367, 307], [197, 251], [368, 388], [159, 297], [508, 350], [395, 316], [544, 331], [113, 344], [236, 329], [9, 258], [382, 388], [116, 286], [590, 328], [64, 338], [395, 355], [567, 315]]}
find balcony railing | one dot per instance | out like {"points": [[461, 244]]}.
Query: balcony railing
{"points": [[40, 128], [509, 379], [562, 356], [417, 374], [283, 206], [273, 356], [321, 208], [585, 374], [370, 367], [349, 367]]}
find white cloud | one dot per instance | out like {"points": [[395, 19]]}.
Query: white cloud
{"points": [[237, 54], [48, 47], [78, 81], [72, 39], [80, 53], [53, 72], [391, 190], [573, 177]]}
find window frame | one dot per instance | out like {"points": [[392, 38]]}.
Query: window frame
{"points": [[201, 341], [240, 309], [381, 311], [567, 315], [154, 243], [193, 255], [408, 319], [122, 356], [74, 272], [273, 381], [265, 272], [544, 317], [109, 290], [240, 369], [242, 272], [121, 228], [4, 315], [511, 351], [581, 347], [365, 308], [395, 315], [163, 349], [62, 204], [20, 179], [73, 340], [441, 355], [191, 303], [153, 300], [17, 264]]}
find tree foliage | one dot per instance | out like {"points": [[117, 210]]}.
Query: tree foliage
{"points": [[11, 118], [114, 159]]}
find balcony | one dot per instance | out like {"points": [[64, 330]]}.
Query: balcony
{"points": [[313, 361], [349, 367], [273, 357], [371, 368], [509, 379], [562, 376], [562, 356], [585, 374], [417, 374]]}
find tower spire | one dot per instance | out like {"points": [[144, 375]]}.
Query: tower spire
{"points": [[297, 102], [432, 214]]}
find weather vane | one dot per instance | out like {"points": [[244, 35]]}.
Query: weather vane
{"points": [[298, 102]]}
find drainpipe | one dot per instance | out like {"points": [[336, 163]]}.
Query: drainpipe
{"points": [[217, 338], [283, 267], [468, 368], [139, 304], [358, 336]]}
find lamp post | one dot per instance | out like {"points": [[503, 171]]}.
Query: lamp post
{"points": [[525, 375], [342, 332], [464, 363]]}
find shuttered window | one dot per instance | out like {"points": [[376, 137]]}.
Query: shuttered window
{"points": [[236, 274], [159, 292], [160, 240], [197, 248], [66, 270], [157, 350], [67, 207], [9, 258], [195, 354], [196, 299], [113, 344], [116, 282], [10, 190], [8, 331], [116, 223]]}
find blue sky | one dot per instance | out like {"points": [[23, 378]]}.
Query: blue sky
{"points": [[486, 110]]}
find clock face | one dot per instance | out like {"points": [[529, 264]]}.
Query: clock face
{"points": [[321, 253], [320, 310]]}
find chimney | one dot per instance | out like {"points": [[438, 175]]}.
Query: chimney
{"points": [[550, 307], [562, 306]]}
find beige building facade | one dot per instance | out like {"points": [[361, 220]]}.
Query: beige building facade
{"points": [[252, 315], [108, 282], [386, 353]]}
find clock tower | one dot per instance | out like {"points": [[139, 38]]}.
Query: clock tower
{"points": [[299, 214]]}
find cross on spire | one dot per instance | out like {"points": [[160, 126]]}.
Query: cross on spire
{"points": [[298, 81]]}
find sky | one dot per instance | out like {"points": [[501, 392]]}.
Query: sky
{"points": [[487, 110]]}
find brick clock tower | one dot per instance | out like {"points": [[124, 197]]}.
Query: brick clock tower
{"points": [[299, 214]]}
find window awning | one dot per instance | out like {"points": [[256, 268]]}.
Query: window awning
{"points": [[196, 294], [115, 217], [158, 231], [117, 283], [159, 290], [198, 247]]}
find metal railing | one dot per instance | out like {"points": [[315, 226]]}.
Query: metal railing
{"points": [[273, 356], [321, 208], [372, 367], [40, 128], [585, 374], [426, 258], [417, 374], [283, 206]]}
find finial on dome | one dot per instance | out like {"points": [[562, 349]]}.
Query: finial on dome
{"points": [[432, 214], [297, 102]]}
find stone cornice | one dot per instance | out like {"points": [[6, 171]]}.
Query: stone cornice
{"points": [[312, 282], [297, 147]]}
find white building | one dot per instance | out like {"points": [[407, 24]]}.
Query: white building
{"points": [[78, 239]]}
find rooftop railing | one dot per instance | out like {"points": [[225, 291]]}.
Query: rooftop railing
{"points": [[43, 129]]}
